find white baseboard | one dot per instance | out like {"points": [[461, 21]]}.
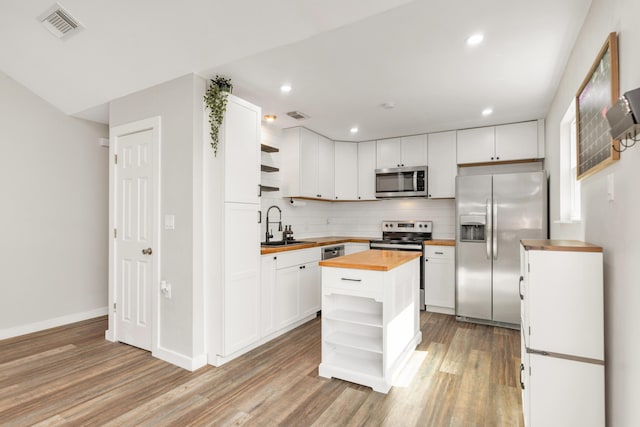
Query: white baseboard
{"points": [[50, 323], [217, 360], [184, 362]]}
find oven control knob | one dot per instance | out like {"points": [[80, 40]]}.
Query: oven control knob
{"points": [[420, 225]]}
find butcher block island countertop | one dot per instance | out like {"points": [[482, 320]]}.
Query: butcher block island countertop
{"points": [[372, 260]]}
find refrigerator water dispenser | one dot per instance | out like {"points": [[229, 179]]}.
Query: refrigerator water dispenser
{"points": [[472, 228]]}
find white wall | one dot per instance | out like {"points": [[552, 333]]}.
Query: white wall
{"points": [[360, 219], [613, 225], [180, 325], [54, 187]]}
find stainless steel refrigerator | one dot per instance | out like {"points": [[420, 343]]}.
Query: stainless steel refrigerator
{"points": [[493, 213]]}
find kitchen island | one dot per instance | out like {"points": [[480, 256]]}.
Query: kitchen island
{"points": [[370, 316]]}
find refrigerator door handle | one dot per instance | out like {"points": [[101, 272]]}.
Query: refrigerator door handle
{"points": [[489, 231], [494, 228], [520, 288], [521, 379]]}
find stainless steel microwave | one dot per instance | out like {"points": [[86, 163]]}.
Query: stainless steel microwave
{"points": [[401, 182]]}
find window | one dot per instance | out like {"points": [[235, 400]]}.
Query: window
{"points": [[569, 185]]}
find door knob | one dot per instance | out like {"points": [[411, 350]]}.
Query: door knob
{"points": [[147, 251]]}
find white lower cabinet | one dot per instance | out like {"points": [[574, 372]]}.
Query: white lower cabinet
{"points": [[440, 279], [290, 289]]}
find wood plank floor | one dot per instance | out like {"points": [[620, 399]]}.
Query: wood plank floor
{"points": [[461, 375]]}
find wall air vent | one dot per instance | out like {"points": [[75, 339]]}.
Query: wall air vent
{"points": [[297, 115], [59, 22]]}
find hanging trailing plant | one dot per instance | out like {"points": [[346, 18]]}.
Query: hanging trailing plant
{"points": [[216, 99]]}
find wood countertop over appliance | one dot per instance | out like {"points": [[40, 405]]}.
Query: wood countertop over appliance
{"points": [[440, 242], [378, 260], [314, 242], [559, 245]]}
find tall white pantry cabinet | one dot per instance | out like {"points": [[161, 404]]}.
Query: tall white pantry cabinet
{"points": [[562, 370], [231, 244]]}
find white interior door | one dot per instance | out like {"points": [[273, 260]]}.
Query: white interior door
{"points": [[134, 238]]}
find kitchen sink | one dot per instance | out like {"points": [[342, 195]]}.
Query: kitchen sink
{"points": [[284, 243]]}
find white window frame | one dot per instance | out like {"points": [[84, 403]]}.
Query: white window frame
{"points": [[570, 206]]}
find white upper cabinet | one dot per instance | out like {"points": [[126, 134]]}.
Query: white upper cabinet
{"points": [[442, 168], [366, 170], [240, 143], [388, 153], [346, 171], [413, 150], [326, 165], [476, 145], [517, 141], [307, 164], [402, 152]]}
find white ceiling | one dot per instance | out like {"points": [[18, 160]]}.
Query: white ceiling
{"points": [[343, 58]]}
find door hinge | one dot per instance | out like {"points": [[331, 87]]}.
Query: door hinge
{"points": [[115, 159], [115, 233], [114, 307]]}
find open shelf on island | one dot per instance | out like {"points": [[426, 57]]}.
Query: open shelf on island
{"points": [[367, 319], [268, 149], [266, 168], [360, 342]]}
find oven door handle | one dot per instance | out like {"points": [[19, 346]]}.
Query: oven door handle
{"points": [[397, 247]]}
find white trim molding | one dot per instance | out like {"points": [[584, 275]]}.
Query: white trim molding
{"points": [[51, 323]]}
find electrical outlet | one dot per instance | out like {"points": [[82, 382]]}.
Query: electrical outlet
{"points": [[165, 289]]}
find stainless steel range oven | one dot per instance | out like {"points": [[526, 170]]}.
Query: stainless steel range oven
{"points": [[406, 236]]}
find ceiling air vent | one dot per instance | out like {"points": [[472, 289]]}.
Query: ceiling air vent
{"points": [[59, 22], [297, 115]]}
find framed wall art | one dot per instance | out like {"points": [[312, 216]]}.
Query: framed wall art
{"points": [[598, 92]]}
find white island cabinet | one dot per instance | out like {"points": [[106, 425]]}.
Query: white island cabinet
{"points": [[370, 316]]}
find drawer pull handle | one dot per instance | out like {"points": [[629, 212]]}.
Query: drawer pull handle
{"points": [[351, 280], [439, 253]]}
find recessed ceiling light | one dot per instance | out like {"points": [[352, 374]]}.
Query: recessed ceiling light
{"points": [[475, 39], [270, 118], [487, 111], [285, 88], [354, 129]]}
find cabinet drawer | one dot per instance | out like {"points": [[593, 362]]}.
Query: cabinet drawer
{"points": [[302, 256], [445, 252], [352, 279]]}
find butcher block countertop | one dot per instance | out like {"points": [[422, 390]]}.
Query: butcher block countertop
{"points": [[441, 242], [315, 242], [559, 245], [372, 260]]}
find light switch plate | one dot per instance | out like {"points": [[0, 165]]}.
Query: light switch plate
{"points": [[169, 222], [610, 187]]}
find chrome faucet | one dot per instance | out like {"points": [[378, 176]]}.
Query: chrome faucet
{"points": [[267, 234]]}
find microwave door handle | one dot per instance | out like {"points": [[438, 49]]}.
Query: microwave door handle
{"points": [[494, 228], [415, 181], [488, 231]]}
